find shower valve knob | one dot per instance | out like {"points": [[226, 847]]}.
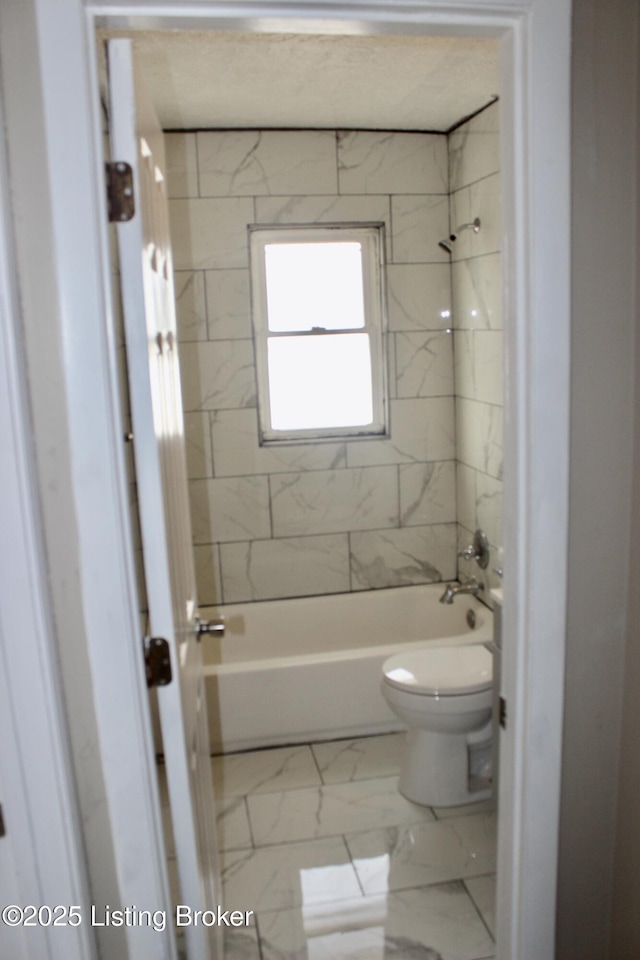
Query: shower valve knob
{"points": [[479, 550], [210, 626], [469, 553]]}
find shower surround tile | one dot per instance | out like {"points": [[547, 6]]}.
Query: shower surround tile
{"points": [[343, 761], [238, 451], [474, 149], [198, 444], [266, 163], [396, 558], [480, 436], [424, 364], [464, 369], [181, 164], [404, 857], [478, 365], [332, 501], [489, 507], [228, 304], [297, 566], [240, 506], [418, 223], [467, 503], [372, 162], [419, 296], [427, 493], [459, 214], [217, 374], [328, 176], [326, 209], [484, 199], [208, 234], [432, 923], [487, 359], [331, 810], [191, 307], [477, 293], [207, 564], [422, 430], [264, 771]]}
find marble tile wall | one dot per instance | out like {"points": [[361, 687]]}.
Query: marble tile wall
{"points": [[314, 518], [474, 175]]}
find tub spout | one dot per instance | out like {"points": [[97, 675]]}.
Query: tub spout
{"points": [[453, 589]]}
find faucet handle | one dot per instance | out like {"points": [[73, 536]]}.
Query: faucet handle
{"points": [[478, 550], [469, 553]]}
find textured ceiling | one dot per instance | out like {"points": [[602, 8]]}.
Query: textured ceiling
{"points": [[208, 79]]}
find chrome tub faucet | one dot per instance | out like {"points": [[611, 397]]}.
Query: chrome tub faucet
{"points": [[453, 589]]}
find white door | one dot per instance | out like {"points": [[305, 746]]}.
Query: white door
{"points": [[158, 430]]}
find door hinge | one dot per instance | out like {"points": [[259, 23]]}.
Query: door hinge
{"points": [[3, 832], [502, 713], [120, 198], [157, 661]]}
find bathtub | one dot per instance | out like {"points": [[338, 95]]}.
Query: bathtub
{"points": [[296, 671]]}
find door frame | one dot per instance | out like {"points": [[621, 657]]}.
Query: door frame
{"points": [[41, 854], [73, 417], [535, 40]]}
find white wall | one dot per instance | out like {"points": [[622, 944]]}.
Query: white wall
{"points": [[604, 257], [625, 933], [28, 151]]}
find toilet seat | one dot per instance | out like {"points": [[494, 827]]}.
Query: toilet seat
{"points": [[441, 671]]}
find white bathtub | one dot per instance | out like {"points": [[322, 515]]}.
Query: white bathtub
{"points": [[295, 671]]}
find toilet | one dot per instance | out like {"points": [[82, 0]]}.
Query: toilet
{"points": [[444, 696]]}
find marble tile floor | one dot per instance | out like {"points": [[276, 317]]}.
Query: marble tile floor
{"points": [[337, 865]]}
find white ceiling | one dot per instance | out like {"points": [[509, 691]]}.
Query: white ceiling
{"points": [[208, 79]]}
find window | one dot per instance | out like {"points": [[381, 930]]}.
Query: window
{"points": [[317, 298]]}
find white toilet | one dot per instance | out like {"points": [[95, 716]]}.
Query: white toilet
{"points": [[444, 695]]}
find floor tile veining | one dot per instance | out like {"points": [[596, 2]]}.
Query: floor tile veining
{"points": [[337, 865]]}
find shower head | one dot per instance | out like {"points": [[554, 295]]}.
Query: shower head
{"points": [[451, 239]]}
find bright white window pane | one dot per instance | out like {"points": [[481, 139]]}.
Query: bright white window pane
{"points": [[321, 381], [314, 285]]}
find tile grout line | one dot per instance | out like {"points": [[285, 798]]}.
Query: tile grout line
{"points": [[313, 753], [249, 823], [476, 907], [353, 866], [259, 937]]}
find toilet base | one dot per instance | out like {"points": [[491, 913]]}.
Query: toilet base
{"points": [[435, 769]]}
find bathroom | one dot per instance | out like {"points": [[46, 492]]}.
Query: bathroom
{"points": [[389, 514]]}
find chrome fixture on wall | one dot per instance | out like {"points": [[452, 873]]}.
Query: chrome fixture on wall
{"points": [[478, 550], [453, 589], [451, 239]]}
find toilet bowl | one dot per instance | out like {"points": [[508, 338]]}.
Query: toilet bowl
{"points": [[444, 695]]}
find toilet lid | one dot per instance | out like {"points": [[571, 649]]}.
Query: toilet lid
{"points": [[441, 671]]}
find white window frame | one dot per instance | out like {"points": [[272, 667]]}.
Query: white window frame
{"points": [[371, 237]]}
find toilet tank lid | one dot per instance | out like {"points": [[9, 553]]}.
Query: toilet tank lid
{"points": [[441, 671]]}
